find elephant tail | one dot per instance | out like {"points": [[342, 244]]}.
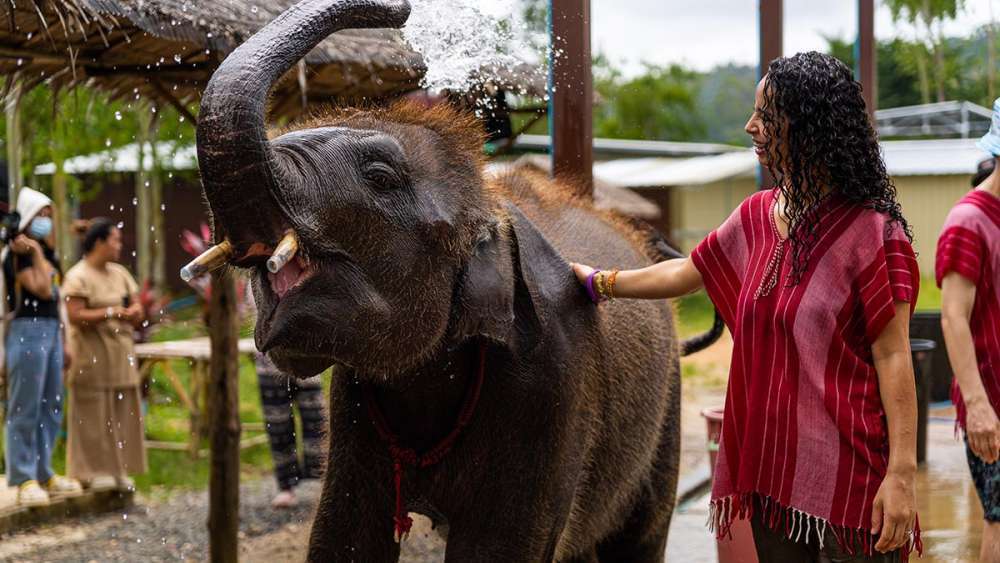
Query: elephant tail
{"points": [[662, 250]]}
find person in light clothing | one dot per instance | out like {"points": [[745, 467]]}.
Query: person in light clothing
{"points": [[106, 438]]}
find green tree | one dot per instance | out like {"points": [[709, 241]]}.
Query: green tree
{"points": [[57, 126], [929, 15], [660, 103], [898, 81]]}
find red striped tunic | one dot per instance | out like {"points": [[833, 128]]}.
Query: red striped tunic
{"points": [[970, 246], [804, 430]]}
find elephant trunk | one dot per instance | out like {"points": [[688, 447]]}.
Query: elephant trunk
{"points": [[233, 149]]}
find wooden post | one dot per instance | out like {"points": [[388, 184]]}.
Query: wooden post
{"points": [[12, 107], [571, 94], [66, 242], [158, 255], [223, 402], [143, 256], [769, 25], [866, 55]]}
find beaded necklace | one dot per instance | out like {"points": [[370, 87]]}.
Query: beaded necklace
{"points": [[773, 270]]}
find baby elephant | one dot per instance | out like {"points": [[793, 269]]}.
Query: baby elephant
{"points": [[477, 384]]}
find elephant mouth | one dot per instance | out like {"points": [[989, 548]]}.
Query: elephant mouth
{"points": [[290, 316], [291, 276]]}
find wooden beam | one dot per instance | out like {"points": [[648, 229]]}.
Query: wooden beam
{"points": [[771, 37], [224, 410], [173, 101], [571, 94], [105, 69], [866, 55]]}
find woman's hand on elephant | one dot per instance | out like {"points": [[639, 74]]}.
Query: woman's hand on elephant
{"points": [[582, 272]]}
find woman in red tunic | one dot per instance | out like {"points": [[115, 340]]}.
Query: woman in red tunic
{"points": [[967, 269], [816, 280]]}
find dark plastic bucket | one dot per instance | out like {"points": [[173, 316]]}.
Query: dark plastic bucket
{"points": [[926, 325], [923, 369], [740, 548]]}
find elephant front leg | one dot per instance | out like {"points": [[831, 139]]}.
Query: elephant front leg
{"points": [[354, 519], [526, 539]]}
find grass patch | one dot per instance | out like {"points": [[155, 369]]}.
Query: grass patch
{"points": [[929, 298], [695, 314]]}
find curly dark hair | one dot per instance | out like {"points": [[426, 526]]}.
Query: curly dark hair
{"points": [[814, 109]]}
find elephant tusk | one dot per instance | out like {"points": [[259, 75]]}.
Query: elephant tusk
{"points": [[286, 250], [211, 259]]}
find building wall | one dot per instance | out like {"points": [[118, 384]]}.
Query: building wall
{"points": [[926, 201], [110, 195], [694, 211]]}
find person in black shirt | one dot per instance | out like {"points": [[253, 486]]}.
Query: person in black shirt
{"points": [[34, 356]]}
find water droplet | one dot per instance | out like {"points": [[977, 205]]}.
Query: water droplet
{"points": [[177, 59], [118, 116], [253, 9], [135, 201]]}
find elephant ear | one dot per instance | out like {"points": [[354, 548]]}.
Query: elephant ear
{"points": [[543, 274], [513, 287], [484, 299]]}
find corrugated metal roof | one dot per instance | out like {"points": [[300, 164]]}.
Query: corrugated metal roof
{"points": [[126, 159], [632, 147], [932, 158], [939, 157]]}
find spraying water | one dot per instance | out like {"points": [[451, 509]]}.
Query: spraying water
{"points": [[460, 39]]}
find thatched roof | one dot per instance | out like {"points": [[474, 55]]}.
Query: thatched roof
{"points": [[167, 50]]}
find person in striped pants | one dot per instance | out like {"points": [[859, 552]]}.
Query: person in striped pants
{"points": [[278, 394]]}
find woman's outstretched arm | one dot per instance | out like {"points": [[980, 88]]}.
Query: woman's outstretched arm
{"points": [[671, 278]]}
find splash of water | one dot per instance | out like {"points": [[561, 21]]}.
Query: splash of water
{"points": [[460, 39]]}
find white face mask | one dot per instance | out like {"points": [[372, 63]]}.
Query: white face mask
{"points": [[40, 228]]}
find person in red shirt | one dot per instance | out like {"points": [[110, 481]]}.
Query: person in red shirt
{"points": [[816, 280], [966, 268]]}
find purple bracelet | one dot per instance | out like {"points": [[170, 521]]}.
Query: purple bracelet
{"points": [[590, 288]]}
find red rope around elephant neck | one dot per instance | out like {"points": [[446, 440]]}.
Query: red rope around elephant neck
{"points": [[409, 456]]}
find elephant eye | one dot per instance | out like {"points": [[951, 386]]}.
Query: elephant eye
{"points": [[382, 176]]}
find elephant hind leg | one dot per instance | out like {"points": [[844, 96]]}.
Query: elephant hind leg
{"points": [[643, 538]]}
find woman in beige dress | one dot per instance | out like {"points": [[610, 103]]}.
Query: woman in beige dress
{"points": [[105, 424]]}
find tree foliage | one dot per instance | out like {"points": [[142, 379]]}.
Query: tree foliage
{"points": [[60, 125], [660, 103]]}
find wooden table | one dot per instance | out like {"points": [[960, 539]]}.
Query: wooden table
{"points": [[198, 353]]}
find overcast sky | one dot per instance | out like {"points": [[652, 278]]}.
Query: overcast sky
{"points": [[703, 33]]}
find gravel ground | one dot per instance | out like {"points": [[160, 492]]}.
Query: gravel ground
{"points": [[174, 530]]}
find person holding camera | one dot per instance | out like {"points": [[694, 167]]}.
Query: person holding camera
{"points": [[35, 355], [105, 425]]}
